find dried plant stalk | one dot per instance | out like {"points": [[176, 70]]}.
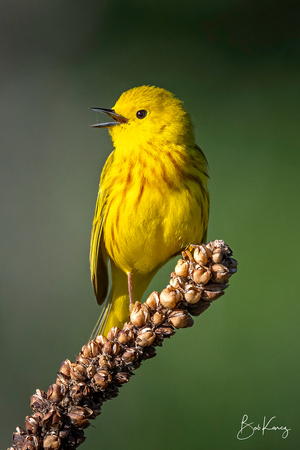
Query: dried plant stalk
{"points": [[62, 413]]}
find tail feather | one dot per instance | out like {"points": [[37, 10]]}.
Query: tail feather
{"points": [[101, 322], [114, 314]]}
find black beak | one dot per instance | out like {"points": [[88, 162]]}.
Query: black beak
{"points": [[118, 120]]}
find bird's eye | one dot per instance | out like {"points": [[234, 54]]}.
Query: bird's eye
{"points": [[141, 114]]}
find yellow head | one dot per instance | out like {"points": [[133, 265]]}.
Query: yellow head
{"points": [[147, 114]]}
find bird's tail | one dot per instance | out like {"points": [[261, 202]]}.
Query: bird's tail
{"points": [[114, 314], [116, 308]]}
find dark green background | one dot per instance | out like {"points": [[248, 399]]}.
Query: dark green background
{"points": [[234, 64]]}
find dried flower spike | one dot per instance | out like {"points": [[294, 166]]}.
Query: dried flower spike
{"points": [[105, 364]]}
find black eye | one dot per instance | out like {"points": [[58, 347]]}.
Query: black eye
{"points": [[141, 114]]}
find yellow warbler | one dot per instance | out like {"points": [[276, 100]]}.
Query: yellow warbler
{"points": [[152, 200]]}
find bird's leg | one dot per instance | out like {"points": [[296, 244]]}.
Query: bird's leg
{"points": [[129, 280]]}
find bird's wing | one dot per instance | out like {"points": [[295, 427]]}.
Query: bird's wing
{"points": [[98, 255]]}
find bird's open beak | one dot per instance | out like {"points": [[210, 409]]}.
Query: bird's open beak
{"points": [[118, 120]]}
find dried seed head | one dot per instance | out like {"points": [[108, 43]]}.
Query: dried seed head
{"points": [[65, 368], [201, 275], [217, 255], [181, 268], [107, 348], [121, 377], [52, 419], [90, 350], [79, 391], [38, 401], [32, 424], [30, 443], [124, 337], [213, 291], [100, 339], [176, 282], [115, 349], [78, 372], [202, 254], [51, 442], [102, 378], [158, 318], [192, 294], [164, 331], [186, 254], [113, 333], [79, 416], [130, 355], [180, 319], [140, 314], [54, 393], [62, 380], [145, 337], [153, 300], [82, 359], [169, 297], [90, 371], [105, 362], [220, 273]]}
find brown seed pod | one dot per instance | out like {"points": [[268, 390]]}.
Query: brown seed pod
{"points": [[100, 339], [153, 300], [52, 419], [79, 416], [51, 442], [90, 371], [65, 368], [82, 359], [179, 319], [140, 315], [54, 393], [169, 297], [213, 292], [107, 348], [113, 333], [177, 282], [220, 273], [164, 331], [38, 400], [202, 254], [130, 355], [201, 275], [145, 337], [192, 294], [79, 391], [181, 268], [62, 381], [122, 377], [78, 372], [158, 318], [124, 337], [217, 256], [31, 443], [102, 378], [32, 424]]}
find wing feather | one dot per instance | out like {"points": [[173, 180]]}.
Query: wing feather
{"points": [[98, 255]]}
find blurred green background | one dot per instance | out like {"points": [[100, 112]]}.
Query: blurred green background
{"points": [[235, 65]]}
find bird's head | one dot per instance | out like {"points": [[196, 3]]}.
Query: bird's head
{"points": [[147, 114]]}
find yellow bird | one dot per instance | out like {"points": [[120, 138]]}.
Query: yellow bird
{"points": [[152, 201]]}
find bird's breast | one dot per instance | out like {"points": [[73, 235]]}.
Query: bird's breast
{"points": [[152, 212]]}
